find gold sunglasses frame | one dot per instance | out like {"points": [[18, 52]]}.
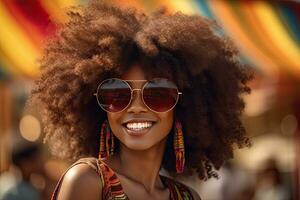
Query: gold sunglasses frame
{"points": [[132, 90]]}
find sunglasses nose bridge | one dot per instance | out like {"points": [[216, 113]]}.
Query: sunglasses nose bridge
{"points": [[136, 103], [133, 94]]}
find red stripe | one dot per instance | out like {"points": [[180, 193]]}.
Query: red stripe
{"points": [[35, 12], [31, 15], [27, 28]]}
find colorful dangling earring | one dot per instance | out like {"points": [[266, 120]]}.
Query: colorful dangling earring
{"points": [[107, 143], [179, 147]]}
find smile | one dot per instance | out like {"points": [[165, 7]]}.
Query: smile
{"points": [[138, 128]]}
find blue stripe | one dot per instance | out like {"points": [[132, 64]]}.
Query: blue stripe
{"points": [[203, 7], [290, 20]]}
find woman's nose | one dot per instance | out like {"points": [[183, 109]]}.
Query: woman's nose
{"points": [[137, 105]]}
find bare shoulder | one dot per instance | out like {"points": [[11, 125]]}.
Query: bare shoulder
{"points": [[80, 182], [195, 194]]}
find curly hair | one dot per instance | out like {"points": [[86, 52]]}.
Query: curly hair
{"points": [[101, 40]]}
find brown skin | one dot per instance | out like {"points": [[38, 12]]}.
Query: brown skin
{"points": [[138, 163], [80, 182], [102, 40]]}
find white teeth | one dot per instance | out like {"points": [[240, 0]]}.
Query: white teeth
{"points": [[138, 125]]}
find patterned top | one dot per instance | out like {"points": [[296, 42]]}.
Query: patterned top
{"points": [[112, 189]]}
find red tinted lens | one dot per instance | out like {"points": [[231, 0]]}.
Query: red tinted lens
{"points": [[160, 95], [113, 95]]}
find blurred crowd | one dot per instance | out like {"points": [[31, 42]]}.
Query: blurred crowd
{"points": [[26, 177], [235, 183]]}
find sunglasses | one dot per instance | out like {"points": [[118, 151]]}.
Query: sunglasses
{"points": [[159, 94]]}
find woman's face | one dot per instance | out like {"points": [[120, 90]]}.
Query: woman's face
{"points": [[137, 127]]}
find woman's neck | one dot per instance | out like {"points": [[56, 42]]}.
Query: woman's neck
{"points": [[141, 167]]}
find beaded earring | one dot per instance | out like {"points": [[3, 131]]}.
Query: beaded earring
{"points": [[107, 143], [179, 147]]}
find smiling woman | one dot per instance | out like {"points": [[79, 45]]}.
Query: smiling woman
{"points": [[127, 94]]}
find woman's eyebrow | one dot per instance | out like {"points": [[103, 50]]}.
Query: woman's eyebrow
{"points": [[142, 80], [134, 82]]}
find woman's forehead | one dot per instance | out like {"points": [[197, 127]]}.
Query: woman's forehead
{"points": [[134, 72], [141, 72]]}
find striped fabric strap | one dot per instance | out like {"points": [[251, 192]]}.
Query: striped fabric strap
{"points": [[112, 188]]}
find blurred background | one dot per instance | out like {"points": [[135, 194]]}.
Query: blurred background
{"points": [[268, 36]]}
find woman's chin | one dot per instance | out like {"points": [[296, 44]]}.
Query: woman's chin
{"points": [[142, 145], [137, 146]]}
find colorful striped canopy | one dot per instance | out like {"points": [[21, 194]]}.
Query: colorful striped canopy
{"points": [[266, 32]]}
